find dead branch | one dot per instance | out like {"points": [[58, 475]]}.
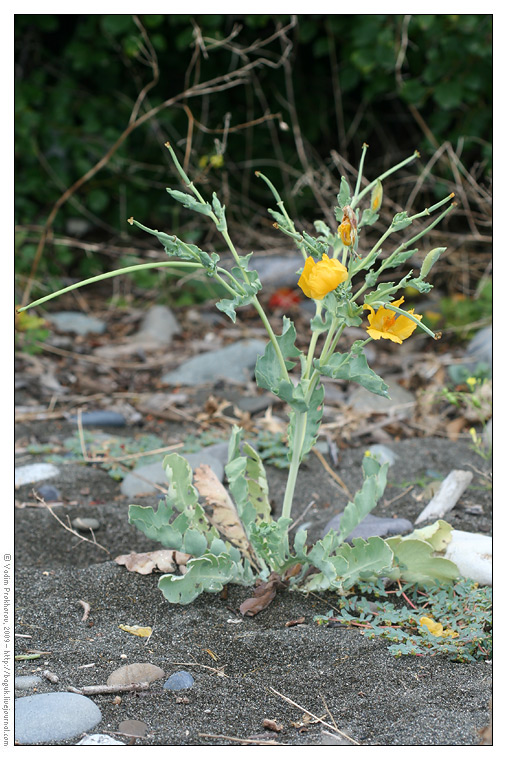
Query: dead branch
{"points": [[217, 84], [315, 717], [113, 689], [71, 530]]}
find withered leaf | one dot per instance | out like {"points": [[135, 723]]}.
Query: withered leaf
{"points": [[224, 514], [297, 621], [163, 560], [264, 594], [272, 725]]}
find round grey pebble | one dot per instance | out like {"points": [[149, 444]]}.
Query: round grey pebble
{"points": [[180, 680], [53, 717], [85, 523], [48, 493]]}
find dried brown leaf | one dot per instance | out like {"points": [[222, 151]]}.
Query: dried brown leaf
{"points": [[224, 514], [163, 560], [454, 428], [264, 594], [272, 725]]}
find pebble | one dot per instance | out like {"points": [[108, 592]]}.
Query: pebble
{"points": [[133, 727], [76, 322], [98, 740], [137, 672], [480, 348], [277, 271], [234, 363], [49, 493], [100, 418], [372, 526], [32, 473], [159, 326], [400, 403], [135, 482], [53, 717], [85, 523], [180, 680], [27, 682]]}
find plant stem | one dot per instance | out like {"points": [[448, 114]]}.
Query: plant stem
{"points": [[115, 273], [366, 190], [300, 419]]}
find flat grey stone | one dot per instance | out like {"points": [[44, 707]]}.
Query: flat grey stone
{"points": [[53, 717], [142, 479], [76, 322], [33, 473], [234, 363], [372, 526], [27, 682], [400, 403], [98, 740], [277, 271], [159, 326]]}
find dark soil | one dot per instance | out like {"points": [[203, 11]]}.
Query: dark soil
{"points": [[334, 673]]}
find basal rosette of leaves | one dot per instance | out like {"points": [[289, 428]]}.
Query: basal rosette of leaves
{"points": [[230, 534]]}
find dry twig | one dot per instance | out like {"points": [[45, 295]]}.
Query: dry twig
{"points": [[315, 717]]}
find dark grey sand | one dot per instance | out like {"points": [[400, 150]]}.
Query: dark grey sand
{"points": [[374, 698]]}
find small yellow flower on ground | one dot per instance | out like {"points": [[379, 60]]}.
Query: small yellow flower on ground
{"points": [[437, 629], [385, 323], [321, 277]]}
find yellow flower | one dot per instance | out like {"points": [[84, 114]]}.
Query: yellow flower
{"points": [[321, 277], [385, 323], [437, 629], [348, 227]]}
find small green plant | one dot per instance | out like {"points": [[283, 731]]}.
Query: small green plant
{"points": [[459, 312], [453, 619], [473, 399], [231, 535], [30, 331]]}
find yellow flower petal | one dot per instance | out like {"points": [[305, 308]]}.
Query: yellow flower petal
{"points": [[321, 277], [386, 323], [436, 629], [137, 630]]}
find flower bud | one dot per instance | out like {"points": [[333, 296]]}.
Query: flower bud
{"points": [[348, 227], [376, 196], [430, 259]]}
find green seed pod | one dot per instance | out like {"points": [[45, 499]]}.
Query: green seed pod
{"points": [[430, 259], [376, 196]]}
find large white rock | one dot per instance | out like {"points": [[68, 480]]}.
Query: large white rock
{"points": [[472, 553]]}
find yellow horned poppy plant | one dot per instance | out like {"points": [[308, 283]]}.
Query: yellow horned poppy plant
{"points": [[385, 323], [321, 277]]}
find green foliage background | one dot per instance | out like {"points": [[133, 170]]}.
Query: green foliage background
{"points": [[346, 79]]}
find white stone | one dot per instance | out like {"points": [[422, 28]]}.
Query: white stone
{"points": [[99, 740], [33, 473], [472, 553]]}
